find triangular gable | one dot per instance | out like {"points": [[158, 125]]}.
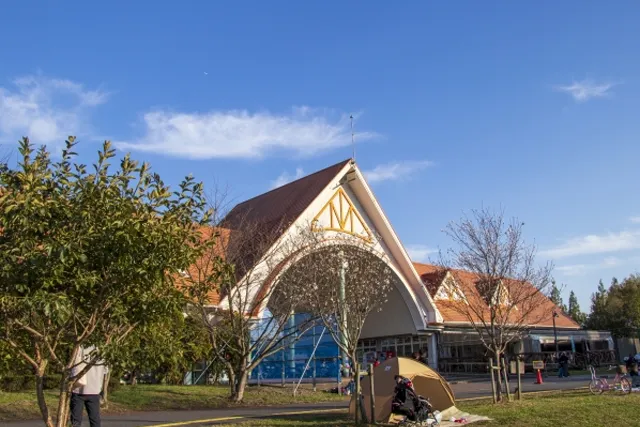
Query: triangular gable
{"points": [[449, 290], [501, 296], [339, 214]]}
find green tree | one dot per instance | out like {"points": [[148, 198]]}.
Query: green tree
{"points": [[623, 307], [167, 349], [88, 256], [618, 308], [598, 317], [574, 310], [556, 296]]}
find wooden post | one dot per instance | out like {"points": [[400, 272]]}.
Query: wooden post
{"points": [[313, 372], [506, 379], [356, 393], [339, 377], [283, 373], [373, 396], [493, 380], [519, 371]]}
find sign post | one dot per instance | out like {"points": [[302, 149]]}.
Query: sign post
{"points": [[538, 366]]}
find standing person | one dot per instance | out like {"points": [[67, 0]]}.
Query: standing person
{"points": [[422, 357], [88, 388], [564, 365]]}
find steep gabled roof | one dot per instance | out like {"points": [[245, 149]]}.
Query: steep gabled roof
{"points": [[283, 205], [271, 213], [433, 276]]}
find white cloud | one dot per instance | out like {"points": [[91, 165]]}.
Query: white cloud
{"points": [[595, 244], [582, 269], [420, 253], [635, 219], [395, 170], [586, 89], [46, 110], [286, 178], [241, 134]]}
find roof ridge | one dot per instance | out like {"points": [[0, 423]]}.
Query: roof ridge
{"points": [[344, 162]]}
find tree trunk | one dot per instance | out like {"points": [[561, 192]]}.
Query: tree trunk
{"points": [[498, 355], [242, 384], [356, 392], [232, 383], [134, 377], [62, 419], [105, 389], [42, 404]]}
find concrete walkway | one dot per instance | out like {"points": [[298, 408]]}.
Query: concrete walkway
{"points": [[199, 418]]}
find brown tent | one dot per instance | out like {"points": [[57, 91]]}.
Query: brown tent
{"points": [[426, 382]]}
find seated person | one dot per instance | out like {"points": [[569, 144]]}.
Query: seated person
{"points": [[403, 398], [632, 368]]}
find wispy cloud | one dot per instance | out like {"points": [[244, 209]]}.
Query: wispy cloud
{"points": [[586, 89], [242, 134], [420, 253], [286, 178], [46, 109], [395, 170], [582, 269], [635, 219], [595, 244]]}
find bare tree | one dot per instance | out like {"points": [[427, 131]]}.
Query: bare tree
{"points": [[499, 289], [236, 292], [345, 278]]}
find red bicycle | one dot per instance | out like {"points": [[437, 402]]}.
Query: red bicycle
{"points": [[599, 385]]}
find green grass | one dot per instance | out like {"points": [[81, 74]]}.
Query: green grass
{"points": [[567, 409], [570, 409], [19, 406]]}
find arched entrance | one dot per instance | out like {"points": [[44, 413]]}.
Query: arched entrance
{"points": [[361, 302]]}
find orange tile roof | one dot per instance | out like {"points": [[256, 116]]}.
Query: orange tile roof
{"points": [[204, 266], [452, 312]]}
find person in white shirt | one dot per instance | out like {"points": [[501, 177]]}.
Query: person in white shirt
{"points": [[88, 388]]}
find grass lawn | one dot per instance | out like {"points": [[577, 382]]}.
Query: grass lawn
{"points": [[574, 409], [19, 406]]}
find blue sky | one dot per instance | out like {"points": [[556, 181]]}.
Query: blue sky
{"points": [[532, 107]]}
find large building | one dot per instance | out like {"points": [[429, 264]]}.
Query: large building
{"points": [[338, 200]]}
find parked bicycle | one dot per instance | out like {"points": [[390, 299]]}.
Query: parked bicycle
{"points": [[620, 383]]}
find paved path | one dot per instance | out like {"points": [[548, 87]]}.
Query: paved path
{"points": [[202, 418]]}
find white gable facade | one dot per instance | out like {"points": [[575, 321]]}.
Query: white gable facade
{"points": [[347, 205]]}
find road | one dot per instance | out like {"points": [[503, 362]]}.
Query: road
{"points": [[462, 390]]}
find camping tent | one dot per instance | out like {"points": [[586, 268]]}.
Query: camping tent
{"points": [[426, 382]]}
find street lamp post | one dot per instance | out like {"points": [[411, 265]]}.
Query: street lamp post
{"points": [[555, 335]]}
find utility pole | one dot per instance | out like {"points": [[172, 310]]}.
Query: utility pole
{"points": [[555, 335], [343, 312]]}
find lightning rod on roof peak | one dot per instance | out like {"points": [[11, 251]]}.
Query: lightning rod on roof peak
{"points": [[353, 143]]}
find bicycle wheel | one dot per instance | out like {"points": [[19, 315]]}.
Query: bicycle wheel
{"points": [[625, 386], [596, 386]]}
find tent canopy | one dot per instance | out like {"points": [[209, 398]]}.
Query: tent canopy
{"points": [[426, 382]]}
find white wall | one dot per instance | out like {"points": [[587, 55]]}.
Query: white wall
{"points": [[394, 319]]}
